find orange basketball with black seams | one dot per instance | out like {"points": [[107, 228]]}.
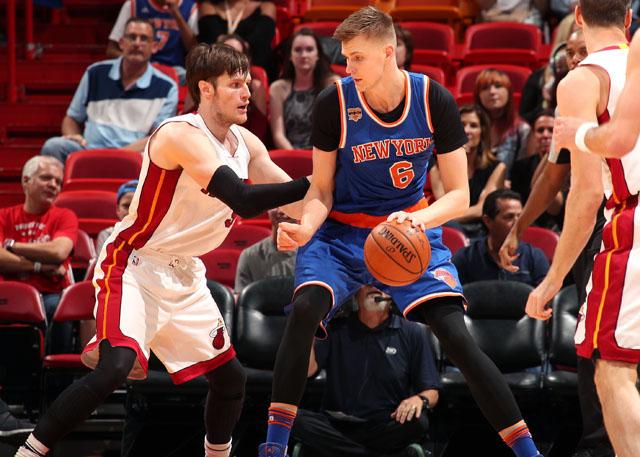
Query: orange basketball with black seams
{"points": [[397, 254]]}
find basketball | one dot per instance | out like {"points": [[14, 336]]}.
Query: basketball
{"points": [[397, 254]]}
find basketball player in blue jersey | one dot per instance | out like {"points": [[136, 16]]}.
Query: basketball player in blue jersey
{"points": [[374, 133]]}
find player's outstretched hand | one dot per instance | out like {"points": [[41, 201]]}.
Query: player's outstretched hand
{"points": [[540, 298], [291, 236], [401, 216], [509, 252], [564, 132]]}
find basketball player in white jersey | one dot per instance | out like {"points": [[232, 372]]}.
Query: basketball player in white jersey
{"points": [[619, 136], [609, 324], [151, 288]]}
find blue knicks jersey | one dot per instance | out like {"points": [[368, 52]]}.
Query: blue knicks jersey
{"points": [[382, 167], [171, 51]]}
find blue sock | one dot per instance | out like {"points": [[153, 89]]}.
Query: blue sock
{"points": [[279, 425], [521, 443]]}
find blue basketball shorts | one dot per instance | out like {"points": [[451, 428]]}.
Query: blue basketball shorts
{"points": [[334, 258]]}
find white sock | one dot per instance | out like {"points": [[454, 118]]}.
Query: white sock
{"points": [[32, 448], [216, 450]]}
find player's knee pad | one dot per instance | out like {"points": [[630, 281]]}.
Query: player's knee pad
{"points": [[228, 380], [310, 305]]}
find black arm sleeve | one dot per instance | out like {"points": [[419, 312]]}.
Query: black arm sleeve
{"points": [[249, 200], [325, 134], [445, 116]]}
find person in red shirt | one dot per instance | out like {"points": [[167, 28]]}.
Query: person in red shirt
{"points": [[38, 237]]}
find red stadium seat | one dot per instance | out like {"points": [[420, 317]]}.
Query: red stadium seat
{"points": [[502, 42], [543, 239], [434, 73], [466, 81], [320, 28], [76, 304], [96, 209], [340, 70], [244, 235], [101, 169], [221, 265], [433, 43], [454, 239], [295, 162], [332, 10], [432, 10], [22, 326], [84, 252]]}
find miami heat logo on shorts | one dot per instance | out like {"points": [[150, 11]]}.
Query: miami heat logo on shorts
{"points": [[355, 114], [218, 335], [446, 277]]}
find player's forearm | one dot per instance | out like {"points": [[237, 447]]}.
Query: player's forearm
{"points": [[542, 195], [613, 139], [452, 205], [317, 205], [580, 217]]}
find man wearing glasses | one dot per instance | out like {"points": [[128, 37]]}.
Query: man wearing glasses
{"points": [[119, 102]]}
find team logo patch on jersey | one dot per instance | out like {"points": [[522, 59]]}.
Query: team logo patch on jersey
{"points": [[355, 114], [446, 277], [218, 335]]}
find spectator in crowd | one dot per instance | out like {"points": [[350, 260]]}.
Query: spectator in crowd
{"points": [[123, 200], [526, 171], [306, 72], [381, 381], [527, 11], [257, 120], [176, 28], [562, 8], [263, 260], [485, 172], [11, 428], [255, 21], [480, 261], [38, 237], [120, 102], [494, 94], [404, 47], [540, 90]]}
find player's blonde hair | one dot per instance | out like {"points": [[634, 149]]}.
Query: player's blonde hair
{"points": [[369, 22]]}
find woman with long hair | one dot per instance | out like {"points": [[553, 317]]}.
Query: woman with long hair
{"points": [[485, 172], [305, 73], [493, 93]]}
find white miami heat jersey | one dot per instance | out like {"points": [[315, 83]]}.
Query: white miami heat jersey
{"points": [[621, 177], [170, 212]]}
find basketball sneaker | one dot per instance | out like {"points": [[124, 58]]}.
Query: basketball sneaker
{"points": [[272, 450]]}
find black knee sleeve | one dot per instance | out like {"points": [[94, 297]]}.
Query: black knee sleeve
{"points": [[224, 401], [310, 305], [486, 383], [82, 397]]}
